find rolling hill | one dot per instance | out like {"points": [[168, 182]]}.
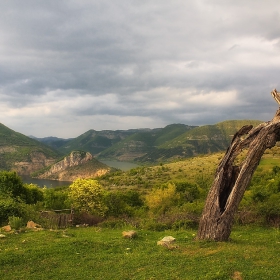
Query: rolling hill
{"points": [[143, 143], [23, 154], [151, 146], [95, 141], [175, 141]]}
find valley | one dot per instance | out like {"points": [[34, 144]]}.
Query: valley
{"points": [[40, 157]]}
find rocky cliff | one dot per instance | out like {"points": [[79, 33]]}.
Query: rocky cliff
{"points": [[36, 160], [78, 164]]}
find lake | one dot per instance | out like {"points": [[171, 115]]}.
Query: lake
{"points": [[54, 183], [44, 182]]}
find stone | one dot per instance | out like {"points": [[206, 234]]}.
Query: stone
{"points": [[237, 275], [2, 236], [7, 228], [167, 242], [168, 239], [129, 234], [32, 225]]}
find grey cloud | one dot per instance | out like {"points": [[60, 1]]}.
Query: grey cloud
{"points": [[78, 53]]}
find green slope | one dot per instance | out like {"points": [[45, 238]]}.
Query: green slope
{"points": [[160, 144], [199, 140], [95, 141], [16, 147], [143, 142]]}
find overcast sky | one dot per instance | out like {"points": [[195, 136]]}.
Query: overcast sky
{"points": [[74, 65]]}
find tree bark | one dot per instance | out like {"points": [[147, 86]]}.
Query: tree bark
{"points": [[231, 180]]}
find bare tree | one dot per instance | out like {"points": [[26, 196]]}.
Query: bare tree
{"points": [[232, 178]]}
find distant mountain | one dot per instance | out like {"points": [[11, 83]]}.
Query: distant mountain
{"points": [[200, 140], [143, 143], [154, 145], [53, 142], [96, 141], [23, 154]]}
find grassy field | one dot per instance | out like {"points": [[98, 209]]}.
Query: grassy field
{"points": [[95, 253]]}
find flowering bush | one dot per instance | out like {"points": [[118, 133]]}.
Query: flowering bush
{"points": [[86, 195]]}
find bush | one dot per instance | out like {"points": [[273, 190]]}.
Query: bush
{"points": [[161, 199], [87, 196], [8, 207], [56, 199], [33, 194], [188, 192], [113, 223], [122, 203], [11, 185], [16, 222], [86, 218], [271, 209], [155, 225]]}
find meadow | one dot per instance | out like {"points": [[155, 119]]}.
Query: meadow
{"points": [[100, 253], [156, 201]]}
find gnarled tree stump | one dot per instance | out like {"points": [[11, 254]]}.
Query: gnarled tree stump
{"points": [[231, 179]]}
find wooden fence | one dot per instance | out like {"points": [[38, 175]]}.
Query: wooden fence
{"points": [[58, 218]]}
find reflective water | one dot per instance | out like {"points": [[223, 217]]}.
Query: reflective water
{"points": [[53, 183], [44, 182]]}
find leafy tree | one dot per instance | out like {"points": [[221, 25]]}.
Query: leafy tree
{"points": [[56, 198], [122, 202], [8, 207], [11, 185], [33, 194], [87, 195], [116, 204]]}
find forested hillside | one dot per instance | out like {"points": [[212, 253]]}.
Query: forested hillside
{"points": [[95, 141], [148, 146], [175, 141], [23, 154]]}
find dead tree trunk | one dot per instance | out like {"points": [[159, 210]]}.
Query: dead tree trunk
{"points": [[232, 179]]}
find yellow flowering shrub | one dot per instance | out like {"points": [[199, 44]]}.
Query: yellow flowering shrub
{"points": [[86, 195]]}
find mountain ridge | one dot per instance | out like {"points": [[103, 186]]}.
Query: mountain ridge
{"points": [[158, 144], [23, 154], [143, 146]]}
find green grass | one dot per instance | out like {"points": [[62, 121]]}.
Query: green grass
{"points": [[94, 253]]}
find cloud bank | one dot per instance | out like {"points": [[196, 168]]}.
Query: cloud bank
{"points": [[70, 66]]}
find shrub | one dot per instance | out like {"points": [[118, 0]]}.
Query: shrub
{"points": [[161, 199], [271, 209], [155, 225], [188, 192], [56, 199], [8, 207], [86, 218], [11, 185], [86, 195], [113, 223], [16, 222], [33, 194], [122, 202]]}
